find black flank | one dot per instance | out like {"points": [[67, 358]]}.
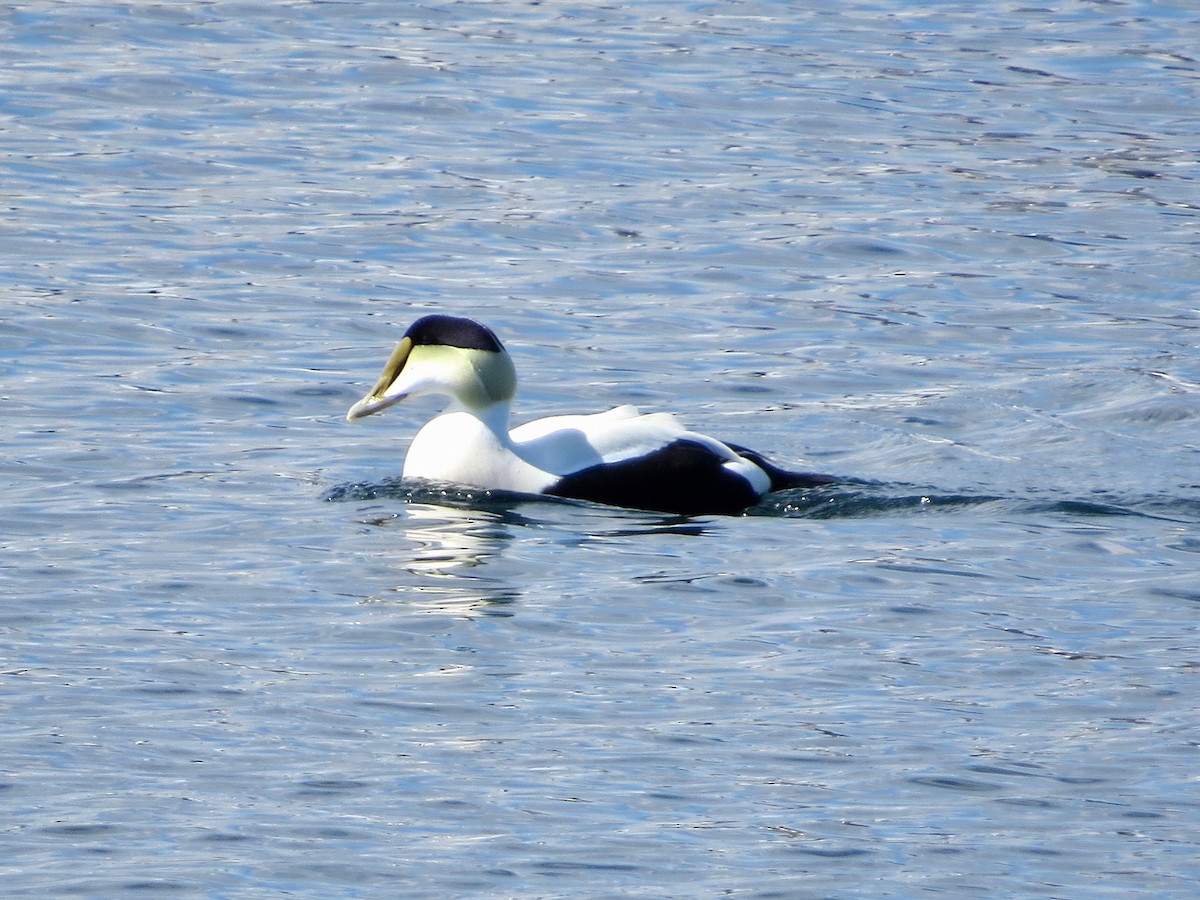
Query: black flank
{"points": [[683, 477]]}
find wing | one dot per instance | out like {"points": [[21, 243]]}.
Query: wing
{"points": [[623, 458], [565, 444]]}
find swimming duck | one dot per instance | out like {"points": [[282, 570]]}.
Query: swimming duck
{"points": [[619, 457]]}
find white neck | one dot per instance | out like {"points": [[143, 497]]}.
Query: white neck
{"points": [[494, 417]]}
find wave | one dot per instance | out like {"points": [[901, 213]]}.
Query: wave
{"points": [[845, 500]]}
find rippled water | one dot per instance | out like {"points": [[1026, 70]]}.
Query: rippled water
{"points": [[949, 252]]}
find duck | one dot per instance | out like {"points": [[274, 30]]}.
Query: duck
{"points": [[620, 457]]}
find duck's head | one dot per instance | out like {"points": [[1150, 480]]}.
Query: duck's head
{"points": [[444, 356]]}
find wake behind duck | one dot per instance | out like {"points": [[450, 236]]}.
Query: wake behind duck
{"points": [[619, 457]]}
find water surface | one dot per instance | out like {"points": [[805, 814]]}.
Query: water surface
{"points": [[949, 253]]}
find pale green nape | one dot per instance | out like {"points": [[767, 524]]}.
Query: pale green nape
{"points": [[497, 374], [479, 378]]}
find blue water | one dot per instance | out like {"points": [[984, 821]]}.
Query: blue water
{"points": [[949, 251]]}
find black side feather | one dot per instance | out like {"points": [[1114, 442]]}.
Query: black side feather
{"points": [[683, 477], [782, 479]]}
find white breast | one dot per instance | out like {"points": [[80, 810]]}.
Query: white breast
{"points": [[459, 448]]}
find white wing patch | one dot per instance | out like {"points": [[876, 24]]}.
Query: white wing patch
{"points": [[566, 444]]}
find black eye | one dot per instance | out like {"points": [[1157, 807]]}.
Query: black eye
{"points": [[451, 331]]}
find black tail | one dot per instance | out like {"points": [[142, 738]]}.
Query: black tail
{"points": [[782, 479]]}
